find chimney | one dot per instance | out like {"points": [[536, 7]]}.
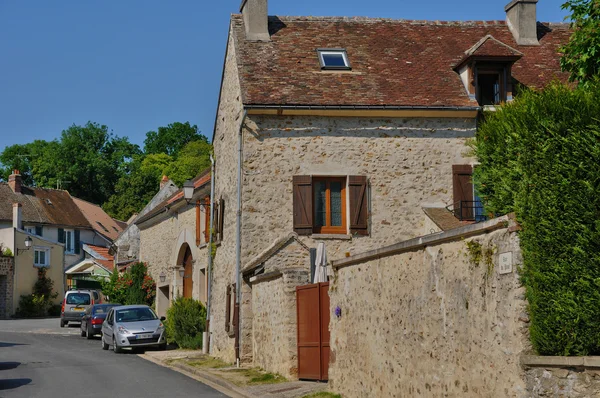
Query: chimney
{"points": [[164, 181], [256, 21], [14, 181], [17, 216], [522, 21]]}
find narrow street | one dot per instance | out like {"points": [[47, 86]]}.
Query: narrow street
{"points": [[39, 359]]}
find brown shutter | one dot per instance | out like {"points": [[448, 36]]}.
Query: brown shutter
{"points": [[198, 240], [206, 219], [215, 231], [303, 206], [221, 217], [359, 217], [462, 188], [228, 308]]}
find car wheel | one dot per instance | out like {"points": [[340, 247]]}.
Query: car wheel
{"points": [[104, 345], [62, 323], [83, 333], [116, 347], [89, 334]]}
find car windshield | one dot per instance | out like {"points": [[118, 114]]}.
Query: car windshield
{"points": [[78, 298], [135, 315]]}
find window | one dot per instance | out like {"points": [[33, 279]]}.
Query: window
{"points": [[30, 230], [37, 230], [334, 58], [41, 256], [320, 205], [79, 298], [467, 205], [329, 205], [69, 241], [489, 90]]}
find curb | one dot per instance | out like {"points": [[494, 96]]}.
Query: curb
{"points": [[207, 378]]}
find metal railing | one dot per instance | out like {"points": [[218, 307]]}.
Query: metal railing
{"points": [[468, 210]]}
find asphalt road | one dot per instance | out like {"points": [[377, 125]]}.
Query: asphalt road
{"points": [[39, 359]]}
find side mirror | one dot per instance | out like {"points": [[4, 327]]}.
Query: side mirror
{"points": [[162, 318]]}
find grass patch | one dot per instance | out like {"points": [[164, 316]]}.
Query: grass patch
{"points": [[208, 362], [323, 394], [251, 376]]}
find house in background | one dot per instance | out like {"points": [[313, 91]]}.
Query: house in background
{"points": [[98, 264], [126, 246], [347, 131]]}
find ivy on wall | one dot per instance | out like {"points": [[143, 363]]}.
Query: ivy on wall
{"points": [[540, 157]]}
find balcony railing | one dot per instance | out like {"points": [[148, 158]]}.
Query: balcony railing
{"points": [[468, 210]]}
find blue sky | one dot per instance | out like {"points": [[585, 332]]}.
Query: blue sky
{"points": [[138, 64]]}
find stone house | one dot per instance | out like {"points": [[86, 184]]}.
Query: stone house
{"points": [[126, 247], [352, 132], [174, 242]]}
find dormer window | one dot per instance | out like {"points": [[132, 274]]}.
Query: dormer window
{"points": [[333, 58], [490, 86]]}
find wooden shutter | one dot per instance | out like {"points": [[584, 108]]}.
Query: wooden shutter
{"points": [[216, 232], [61, 235], [359, 216], [206, 219], [77, 240], [303, 205], [462, 189], [221, 217], [227, 308], [198, 240], [38, 230]]}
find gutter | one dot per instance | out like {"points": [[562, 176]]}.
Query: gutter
{"points": [[206, 337], [238, 243], [365, 107]]}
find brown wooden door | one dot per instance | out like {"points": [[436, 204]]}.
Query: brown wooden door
{"points": [[313, 331], [188, 283]]}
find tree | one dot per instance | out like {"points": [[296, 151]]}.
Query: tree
{"points": [[582, 53], [171, 139], [193, 159]]}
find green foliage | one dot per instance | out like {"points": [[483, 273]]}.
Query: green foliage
{"points": [[39, 302], [171, 139], [474, 251], [193, 158], [581, 55], [132, 287], [7, 252], [539, 158], [186, 320]]}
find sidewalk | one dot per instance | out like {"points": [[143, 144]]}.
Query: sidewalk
{"points": [[230, 380]]}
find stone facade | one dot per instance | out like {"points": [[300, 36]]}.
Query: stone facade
{"points": [[274, 339], [431, 321], [563, 382], [6, 286]]}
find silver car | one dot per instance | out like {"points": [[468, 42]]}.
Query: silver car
{"points": [[133, 326]]}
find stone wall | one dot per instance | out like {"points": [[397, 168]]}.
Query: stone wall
{"points": [[6, 286], [274, 338], [575, 377], [430, 320]]}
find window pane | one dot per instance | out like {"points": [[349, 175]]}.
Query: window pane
{"points": [[333, 60], [335, 201], [43, 257], [320, 202], [68, 235], [37, 257]]}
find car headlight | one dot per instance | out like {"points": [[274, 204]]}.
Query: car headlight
{"points": [[123, 330], [160, 327]]}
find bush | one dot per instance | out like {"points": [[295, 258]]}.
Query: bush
{"points": [[7, 252], [132, 287], [186, 321], [539, 158], [39, 302]]}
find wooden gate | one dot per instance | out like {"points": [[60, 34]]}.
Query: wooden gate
{"points": [[312, 303]]}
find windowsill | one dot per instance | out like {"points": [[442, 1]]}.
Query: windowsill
{"points": [[71, 254], [331, 236], [41, 266]]}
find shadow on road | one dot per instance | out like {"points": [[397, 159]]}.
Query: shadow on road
{"points": [[4, 345], [9, 365], [10, 384]]}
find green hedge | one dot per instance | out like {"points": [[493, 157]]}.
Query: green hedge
{"points": [[540, 157], [186, 321]]}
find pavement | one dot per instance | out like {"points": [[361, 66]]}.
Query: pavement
{"points": [[40, 359]]}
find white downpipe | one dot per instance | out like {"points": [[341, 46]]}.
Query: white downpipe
{"points": [[205, 347], [238, 238]]}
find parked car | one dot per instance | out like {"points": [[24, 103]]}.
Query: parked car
{"points": [[133, 326], [74, 305], [91, 322]]}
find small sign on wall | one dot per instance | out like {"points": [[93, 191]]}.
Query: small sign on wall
{"points": [[506, 263]]}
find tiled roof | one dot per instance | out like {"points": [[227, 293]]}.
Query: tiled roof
{"points": [[99, 220], [42, 206], [104, 258], [199, 181], [490, 47], [394, 62]]}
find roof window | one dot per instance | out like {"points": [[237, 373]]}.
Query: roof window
{"points": [[333, 58]]}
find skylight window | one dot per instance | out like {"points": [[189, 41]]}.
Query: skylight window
{"points": [[333, 58]]}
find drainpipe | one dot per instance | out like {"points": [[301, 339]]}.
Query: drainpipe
{"points": [[238, 243], [205, 338]]}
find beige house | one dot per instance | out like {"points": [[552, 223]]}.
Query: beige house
{"points": [[351, 132]]}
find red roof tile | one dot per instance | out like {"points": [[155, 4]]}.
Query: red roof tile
{"points": [[99, 220], [394, 62], [107, 261]]}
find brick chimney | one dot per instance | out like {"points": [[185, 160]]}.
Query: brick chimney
{"points": [[522, 21], [255, 16], [17, 216], [14, 181], [164, 181]]}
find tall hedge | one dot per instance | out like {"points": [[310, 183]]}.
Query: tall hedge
{"points": [[540, 157]]}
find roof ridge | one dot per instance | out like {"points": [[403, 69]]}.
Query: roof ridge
{"points": [[484, 39]]}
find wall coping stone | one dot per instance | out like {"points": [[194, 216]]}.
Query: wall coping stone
{"points": [[266, 277], [271, 250], [536, 361], [424, 241]]}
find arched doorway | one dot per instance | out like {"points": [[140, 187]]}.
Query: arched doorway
{"points": [[188, 282]]}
